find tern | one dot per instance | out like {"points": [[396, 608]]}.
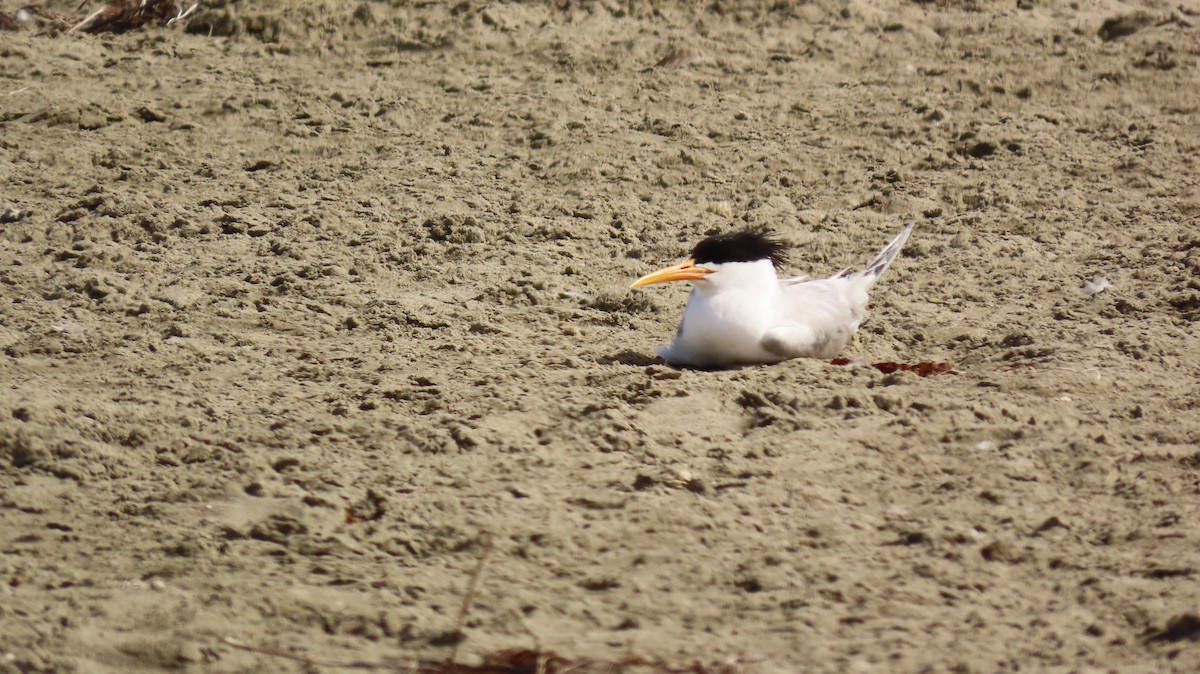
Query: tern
{"points": [[740, 312]]}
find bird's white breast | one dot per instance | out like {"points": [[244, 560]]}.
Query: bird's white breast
{"points": [[726, 318]]}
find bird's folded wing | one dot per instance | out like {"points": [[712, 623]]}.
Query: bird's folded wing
{"points": [[816, 319], [789, 342]]}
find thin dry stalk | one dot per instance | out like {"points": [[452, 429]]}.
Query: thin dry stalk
{"points": [[184, 14], [469, 597]]}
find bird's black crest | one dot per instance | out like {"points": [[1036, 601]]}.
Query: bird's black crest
{"points": [[744, 246]]}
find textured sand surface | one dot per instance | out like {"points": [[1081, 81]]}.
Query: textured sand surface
{"points": [[303, 304]]}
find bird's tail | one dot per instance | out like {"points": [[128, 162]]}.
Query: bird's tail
{"points": [[885, 257]]}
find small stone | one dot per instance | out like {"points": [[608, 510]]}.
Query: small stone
{"points": [[643, 482], [1001, 551], [147, 114], [261, 165], [1124, 26]]}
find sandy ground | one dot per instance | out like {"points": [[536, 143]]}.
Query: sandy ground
{"points": [[306, 307]]}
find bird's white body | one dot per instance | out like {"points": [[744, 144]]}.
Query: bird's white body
{"points": [[742, 313]]}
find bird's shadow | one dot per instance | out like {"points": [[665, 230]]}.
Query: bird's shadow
{"points": [[640, 359], [628, 357]]}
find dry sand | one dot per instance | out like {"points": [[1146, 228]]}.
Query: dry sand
{"points": [[303, 303]]}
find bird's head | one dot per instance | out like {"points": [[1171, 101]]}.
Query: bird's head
{"points": [[724, 258]]}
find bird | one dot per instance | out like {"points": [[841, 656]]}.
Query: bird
{"points": [[741, 313]]}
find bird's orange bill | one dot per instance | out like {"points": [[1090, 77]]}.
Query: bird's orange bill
{"points": [[684, 271]]}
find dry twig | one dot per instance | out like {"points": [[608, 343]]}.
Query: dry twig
{"points": [[119, 16], [469, 597]]}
